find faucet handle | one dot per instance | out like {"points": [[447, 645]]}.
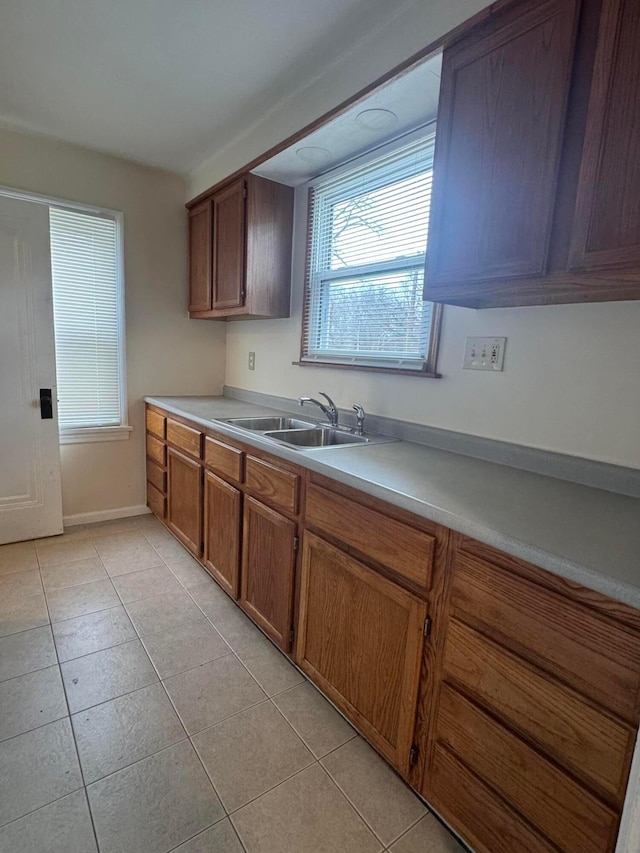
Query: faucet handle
{"points": [[359, 418]]}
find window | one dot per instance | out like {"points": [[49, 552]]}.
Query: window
{"points": [[365, 264], [88, 309]]}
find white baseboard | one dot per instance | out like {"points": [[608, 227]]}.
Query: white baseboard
{"points": [[105, 515]]}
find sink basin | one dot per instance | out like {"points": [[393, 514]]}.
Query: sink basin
{"points": [[263, 424], [318, 437]]}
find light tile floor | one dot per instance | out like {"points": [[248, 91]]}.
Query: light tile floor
{"points": [[142, 712]]}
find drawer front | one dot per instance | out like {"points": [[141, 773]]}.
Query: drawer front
{"points": [[156, 501], [156, 424], [156, 450], [224, 459], [482, 818], [186, 438], [274, 485], [405, 550], [594, 654], [157, 476], [485, 821], [562, 809], [590, 743]]}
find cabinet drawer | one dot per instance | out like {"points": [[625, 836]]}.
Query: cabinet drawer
{"points": [[156, 450], [223, 459], [156, 501], [157, 476], [485, 820], [276, 486], [186, 438], [583, 739], [405, 550], [156, 424], [594, 654], [565, 812]]}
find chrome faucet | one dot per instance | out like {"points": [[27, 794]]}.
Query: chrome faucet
{"points": [[359, 419], [330, 411]]}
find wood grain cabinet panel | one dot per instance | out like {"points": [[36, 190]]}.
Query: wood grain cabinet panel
{"points": [[186, 438], [478, 813], [360, 638], [229, 246], [156, 423], [156, 501], [200, 291], [500, 132], [566, 813], [406, 551], [268, 570], [606, 232], [273, 485], [223, 459], [184, 500], [222, 521], [157, 476], [592, 744], [595, 655], [156, 450]]}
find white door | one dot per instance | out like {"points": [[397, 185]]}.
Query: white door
{"points": [[30, 492]]}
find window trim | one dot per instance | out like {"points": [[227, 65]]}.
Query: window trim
{"points": [[122, 431], [428, 369]]}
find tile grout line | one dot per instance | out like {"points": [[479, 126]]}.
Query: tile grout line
{"points": [[73, 733]]}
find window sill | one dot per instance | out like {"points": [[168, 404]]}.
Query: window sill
{"points": [[395, 371], [88, 434]]}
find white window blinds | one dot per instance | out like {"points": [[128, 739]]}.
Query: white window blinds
{"points": [[87, 309], [368, 237]]}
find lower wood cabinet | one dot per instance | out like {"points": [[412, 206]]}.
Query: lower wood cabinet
{"points": [[507, 696], [222, 522], [269, 543], [360, 638], [184, 499], [535, 712]]}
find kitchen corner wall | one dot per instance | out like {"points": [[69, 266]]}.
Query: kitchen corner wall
{"points": [[166, 352], [571, 382]]}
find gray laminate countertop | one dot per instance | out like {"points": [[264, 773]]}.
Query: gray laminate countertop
{"points": [[586, 535]]}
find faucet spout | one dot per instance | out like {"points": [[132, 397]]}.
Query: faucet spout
{"points": [[330, 410]]}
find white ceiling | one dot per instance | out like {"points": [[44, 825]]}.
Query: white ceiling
{"points": [[408, 102], [165, 82]]}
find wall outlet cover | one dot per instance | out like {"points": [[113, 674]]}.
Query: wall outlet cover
{"points": [[484, 354], [252, 361]]}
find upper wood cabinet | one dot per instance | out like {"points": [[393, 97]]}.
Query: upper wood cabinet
{"points": [[200, 294], [500, 123], [536, 194], [240, 251], [607, 221]]}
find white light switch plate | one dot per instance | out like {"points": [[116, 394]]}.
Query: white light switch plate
{"points": [[484, 353]]}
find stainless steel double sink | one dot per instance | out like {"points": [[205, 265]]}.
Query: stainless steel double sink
{"points": [[302, 435]]}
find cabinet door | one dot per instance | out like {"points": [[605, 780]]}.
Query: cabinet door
{"points": [[184, 499], [229, 246], [200, 293], [500, 130], [222, 531], [360, 638], [268, 570], [606, 231]]}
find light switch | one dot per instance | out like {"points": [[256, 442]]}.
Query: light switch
{"points": [[484, 354]]}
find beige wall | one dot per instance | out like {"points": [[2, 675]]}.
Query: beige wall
{"points": [[166, 352], [571, 381]]}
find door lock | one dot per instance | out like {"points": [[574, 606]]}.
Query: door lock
{"points": [[46, 404]]}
